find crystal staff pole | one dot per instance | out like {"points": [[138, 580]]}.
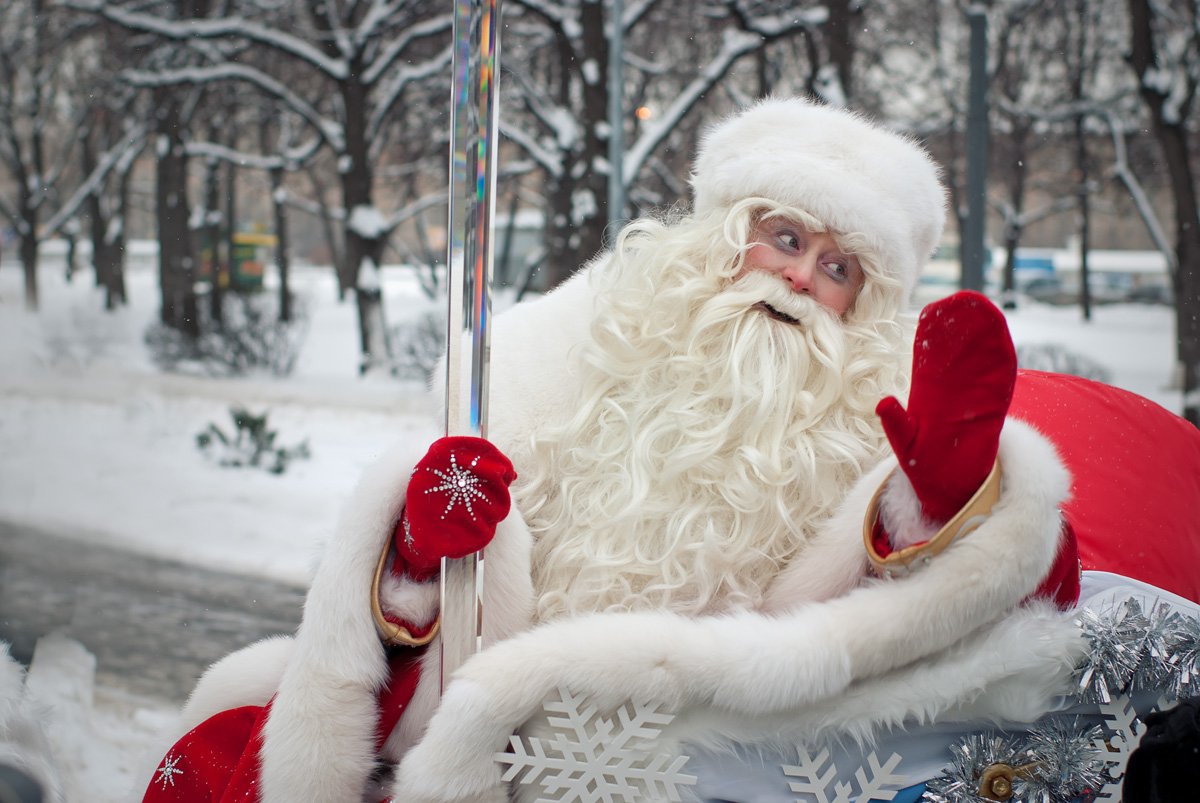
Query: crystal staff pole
{"points": [[473, 122]]}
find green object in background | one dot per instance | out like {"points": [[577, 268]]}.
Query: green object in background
{"points": [[251, 251]]}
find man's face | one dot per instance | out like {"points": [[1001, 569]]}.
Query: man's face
{"points": [[810, 263]]}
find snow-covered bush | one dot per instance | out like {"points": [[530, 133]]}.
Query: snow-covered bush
{"points": [[250, 445], [250, 339], [1060, 359], [418, 339], [418, 342], [28, 769]]}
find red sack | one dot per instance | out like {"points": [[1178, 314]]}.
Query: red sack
{"points": [[1135, 494]]}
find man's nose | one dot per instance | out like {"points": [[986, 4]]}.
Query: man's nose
{"points": [[799, 274]]}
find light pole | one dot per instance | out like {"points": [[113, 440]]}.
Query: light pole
{"points": [[616, 120], [974, 228]]}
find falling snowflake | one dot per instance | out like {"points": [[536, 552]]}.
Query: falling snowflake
{"points": [[168, 771], [815, 778], [595, 759], [460, 485]]}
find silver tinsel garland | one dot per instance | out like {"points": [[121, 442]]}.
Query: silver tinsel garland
{"points": [[972, 755], [1185, 650], [1068, 765], [1130, 650]]}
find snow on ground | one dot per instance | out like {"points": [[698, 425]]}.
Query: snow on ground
{"points": [[96, 443]]}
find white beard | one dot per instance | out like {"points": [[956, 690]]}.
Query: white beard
{"points": [[709, 441]]}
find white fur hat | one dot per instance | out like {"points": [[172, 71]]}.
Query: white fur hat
{"points": [[838, 166]]}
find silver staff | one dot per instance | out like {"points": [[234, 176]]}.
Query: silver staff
{"points": [[473, 152]]}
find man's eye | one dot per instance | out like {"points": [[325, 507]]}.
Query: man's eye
{"points": [[789, 240], [840, 269]]}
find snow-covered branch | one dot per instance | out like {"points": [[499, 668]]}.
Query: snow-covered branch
{"points": [[633, 12], [416, 207], [1062, 112], [399, 81], [395, 49], [290, 159], [1021, 220], [560, 121], [735, 45], [550, 160], [557, 16], [1125, 175], [329, 129], [120, 154], [183, 30]]}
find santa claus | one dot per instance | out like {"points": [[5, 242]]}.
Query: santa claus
{"points": [[717, 502]]}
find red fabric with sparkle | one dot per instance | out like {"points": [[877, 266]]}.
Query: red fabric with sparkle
{"points": [[1135, 494], [218, 760], [457, 495], [215, 762], [964, 367]]}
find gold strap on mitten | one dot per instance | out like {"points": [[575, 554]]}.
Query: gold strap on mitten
{"points": [[394, 635], [903, 561]]}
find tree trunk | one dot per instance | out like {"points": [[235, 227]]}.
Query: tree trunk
{"points": [[1012, 241], [115, 245], [212, 241], [578, 196], [1081, 167], [229, 223], [106, 226], [28, 249], [1172, 139], [1014, 229], [282, 261], [176, 264], [364, 247], [845, 17]]}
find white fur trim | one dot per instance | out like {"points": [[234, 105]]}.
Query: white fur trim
{"points": [[413, 602], [901, 513], [246, 677], [850, 173], [831, 563], [319, 737], [805, 657], [507, 609], [318, 743], [980, 677]]}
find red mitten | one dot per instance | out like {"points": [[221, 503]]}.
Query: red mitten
{"points": [[964, 369], [457, 495]]}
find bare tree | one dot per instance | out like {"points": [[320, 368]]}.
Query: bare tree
{"points": [[1165, 56], [38, 133], [1029, 97], [343, 69], [676, 54]]}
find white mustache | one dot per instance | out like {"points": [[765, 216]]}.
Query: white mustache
{"points": [[759, 287]]}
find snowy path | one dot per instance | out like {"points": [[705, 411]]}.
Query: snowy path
{"points": [[153, 625]]}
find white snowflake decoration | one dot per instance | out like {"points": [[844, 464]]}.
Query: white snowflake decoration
{"points": [[168, 771], [1126, 730], [815, 779], [460, 484], [596, 759]]}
